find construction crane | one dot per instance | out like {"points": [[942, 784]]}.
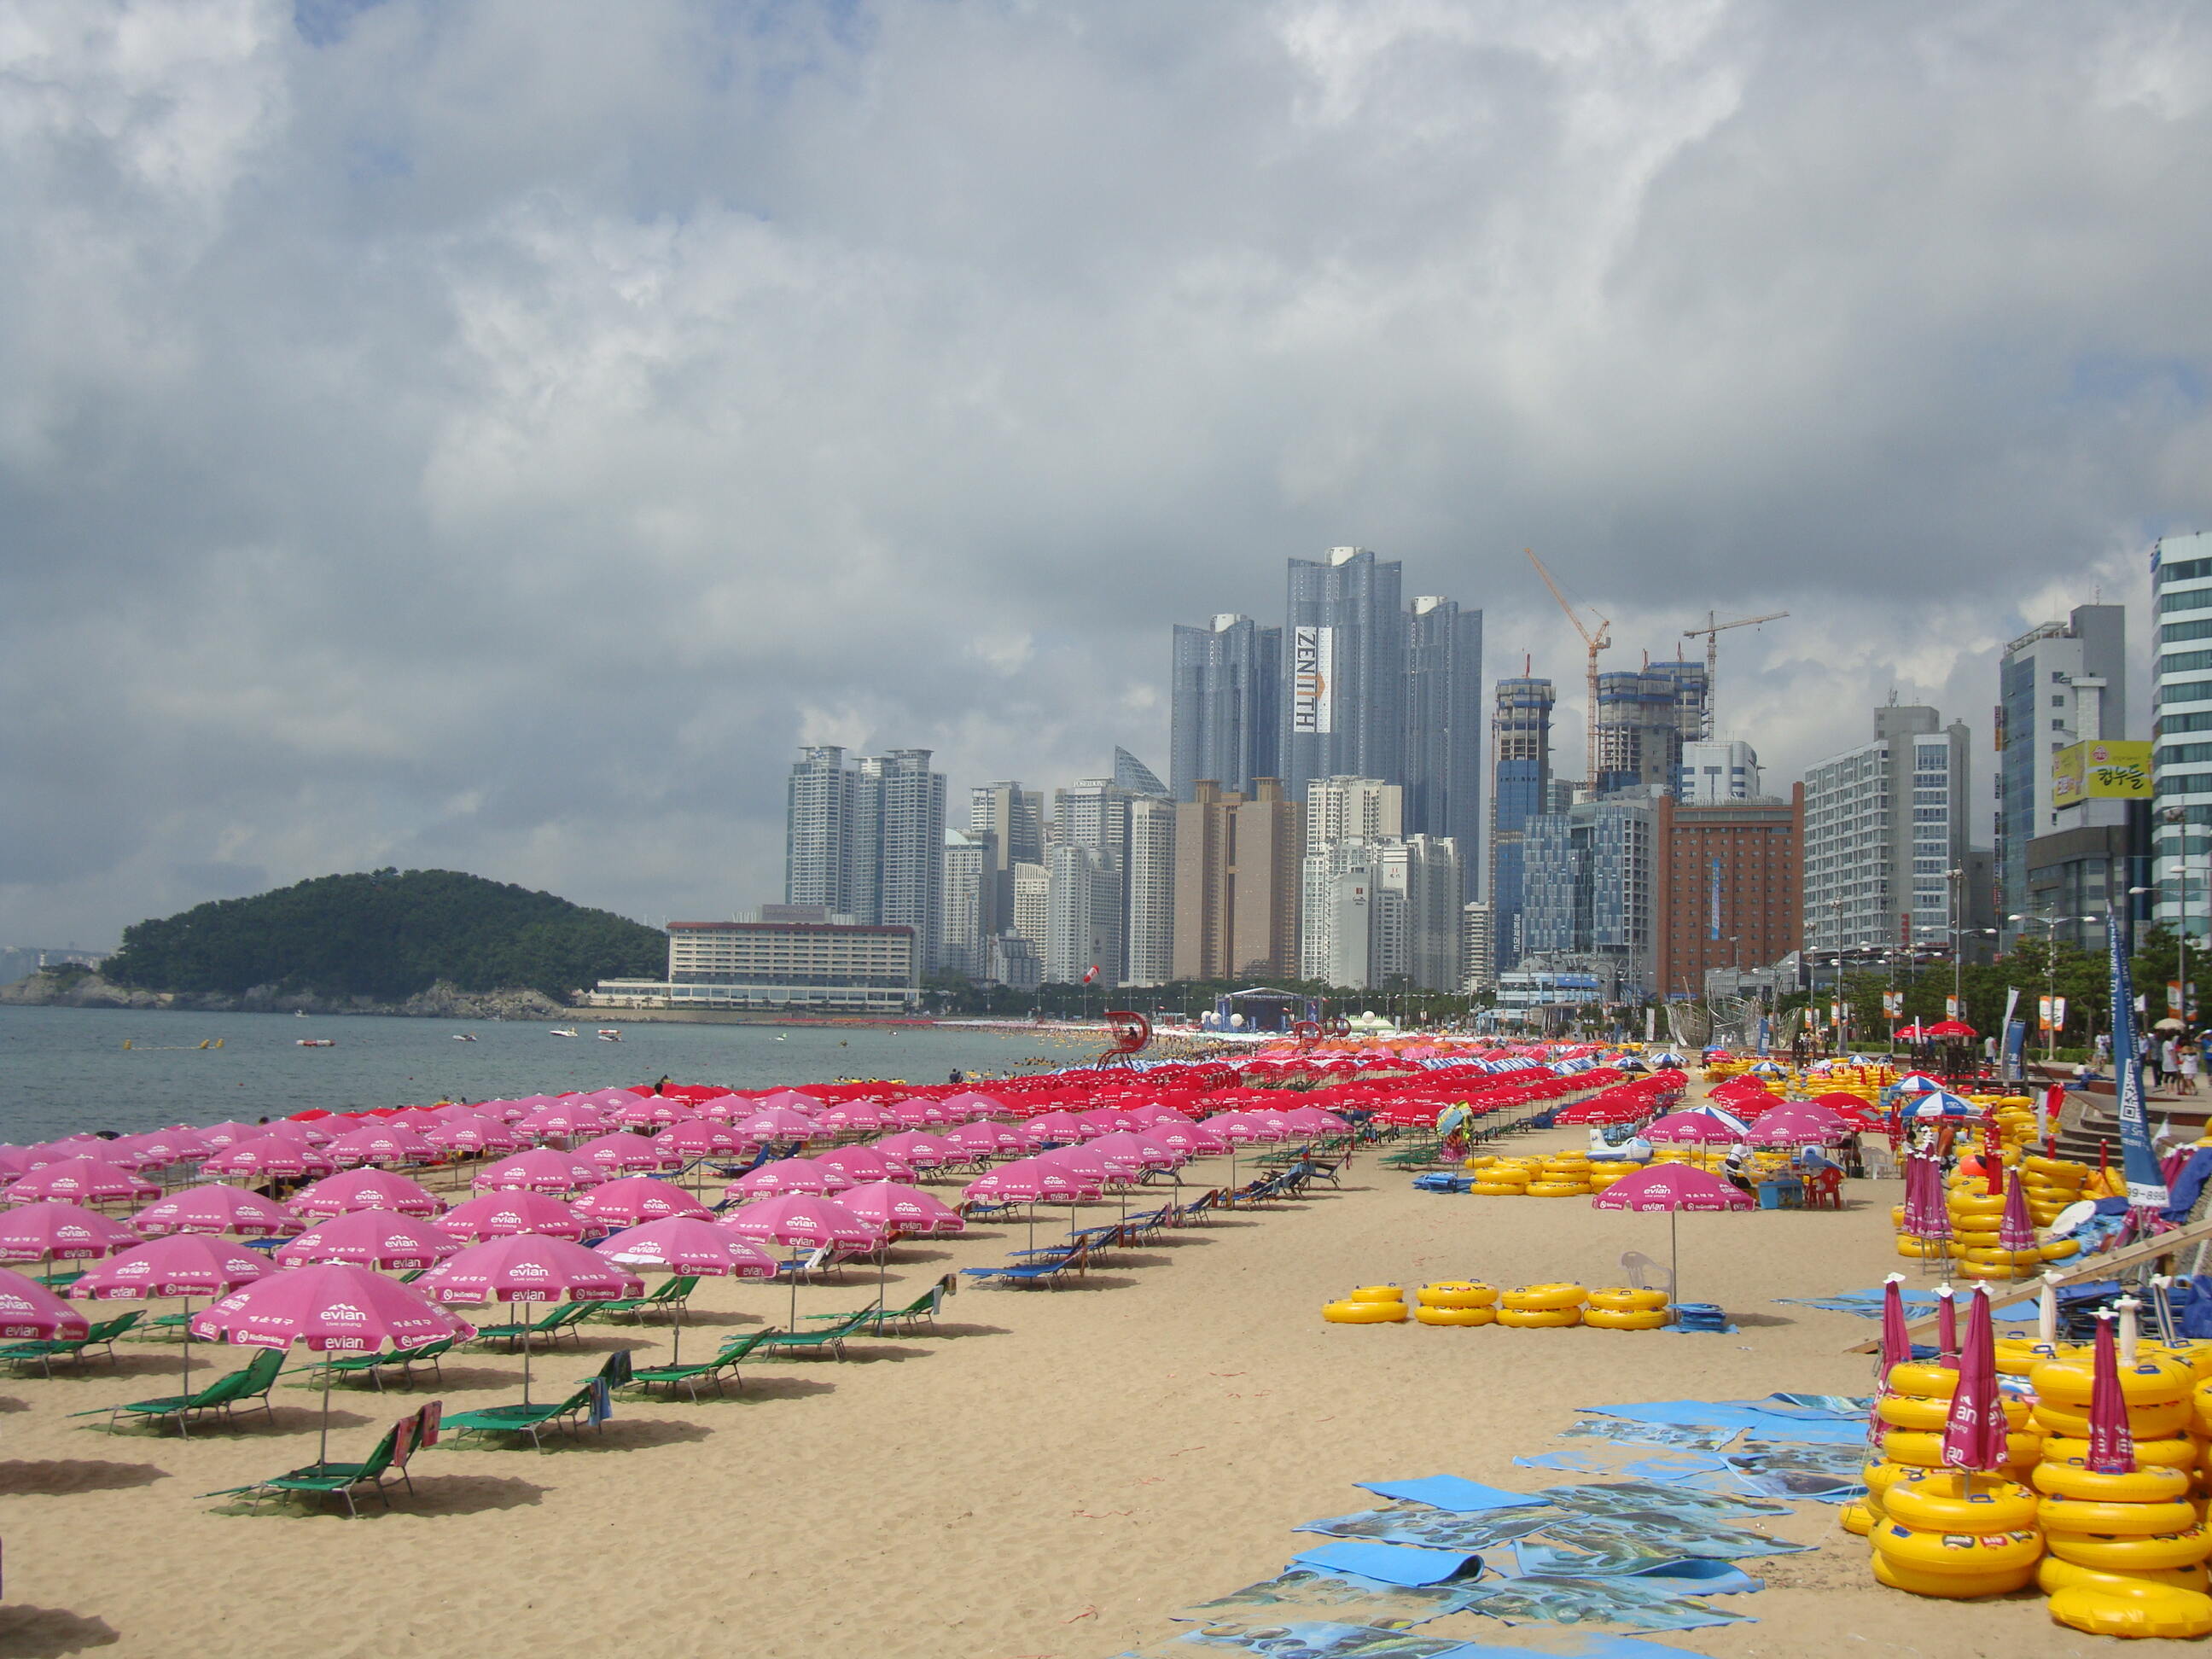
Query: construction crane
{"points": [[1711, 632], [1596, 639]]}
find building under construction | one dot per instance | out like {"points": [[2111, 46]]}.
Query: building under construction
{"points": [[1643, 718]]}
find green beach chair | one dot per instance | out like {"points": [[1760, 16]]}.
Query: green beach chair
{"points": [[323, 1478], [374, 1365], [712, 1371], [830, 1341], [224, 1395], [102, 1335], [565, 1317], [518, 1418], [673, 1294]]}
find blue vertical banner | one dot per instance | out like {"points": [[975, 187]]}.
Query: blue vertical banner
{"points": [[2138, 1160], [1713, 904]]}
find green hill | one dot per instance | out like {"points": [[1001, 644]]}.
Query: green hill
{"points": [[387, 934]]}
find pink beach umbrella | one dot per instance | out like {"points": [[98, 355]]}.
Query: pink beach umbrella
{"points": [[791, 1100], [50, 1232], [331, 1307], [865, 1164], [917, 1113], [231, 1133], [634, 1199], [789, 1176], [802, 1222], [1193, 1139], [366, 1189], [694, 1138], [272, 1158], [66, 1147], [974, 1104], [652, 1112], [780, 1124], [624, 1154], [728, 1107], [384, 1239], [1031, 1180], [529, 1268], [214, 1208], [79, 1181], [1135, 1149], [1974, 1435], [29, 1312], [2015, 1230], [473, 1135], [317, 1133], [979, 1138], [503, 1215], [1673, 1187], [564, 1120], [380, 1144], [1688, 1129], [918, 1149], [541, 1170], [2111, 1441], [901, 1209], [863, 1115], [1048, 1126], [1081, 1161], [684, 1244], [186, 1266]]}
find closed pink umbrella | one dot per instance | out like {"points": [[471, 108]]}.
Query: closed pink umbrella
{"points": [[214, 1209], [29, 1312], [186, 1266], [2015, 1232], [634, 1199], [2111, 1441], [566, 1120], [79, 1181], [804, 1222], [865, 1164], [327, 1308], [502, 1215], [366, 1189], [623, 1154], [1974, 1435], [1673, 1187], [541, 1170], [272, 1158], [529, 1268], [921, 1149], [789, 1176], [381, 1144], [383, 1239]]}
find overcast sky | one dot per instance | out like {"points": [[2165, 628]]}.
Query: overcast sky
{"points": [[492, 435]]}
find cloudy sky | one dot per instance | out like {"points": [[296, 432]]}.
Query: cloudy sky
{"points": [[492, 434]]}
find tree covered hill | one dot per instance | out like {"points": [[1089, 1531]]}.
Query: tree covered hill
{"points": [[387, 934]]}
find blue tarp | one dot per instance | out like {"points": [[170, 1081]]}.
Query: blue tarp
{"points": [[1450, 1491], [1393, 1564]]}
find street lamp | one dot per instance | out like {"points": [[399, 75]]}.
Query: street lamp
{"points": [[2051, 924]]}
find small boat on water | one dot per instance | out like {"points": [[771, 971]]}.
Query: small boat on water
{"points": [[608, 1033], [464, 1036], [315, 1043], [558, 1031]]}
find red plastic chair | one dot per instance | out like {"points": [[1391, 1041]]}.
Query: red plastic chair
{"points": [[1823, 1189]]}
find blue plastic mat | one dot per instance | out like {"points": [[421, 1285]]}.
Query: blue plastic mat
{"points": [[1450, 1491], [1393, 1564], [1867, 1304]]}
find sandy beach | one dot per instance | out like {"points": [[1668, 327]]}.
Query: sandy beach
{"points": [[1049, 1475]]}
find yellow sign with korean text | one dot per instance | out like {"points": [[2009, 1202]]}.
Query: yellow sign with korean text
{"points": [[2103, 770]]}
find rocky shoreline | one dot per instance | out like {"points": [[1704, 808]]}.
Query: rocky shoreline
{"points": [[52, 990]]}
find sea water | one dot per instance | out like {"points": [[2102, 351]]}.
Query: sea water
{"points": [[67, 1069]]}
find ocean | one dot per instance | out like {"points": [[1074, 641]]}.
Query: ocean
{"points": [[66, 1069]]}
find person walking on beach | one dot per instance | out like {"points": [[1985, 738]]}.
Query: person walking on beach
{"points": [[2189, 1056]]}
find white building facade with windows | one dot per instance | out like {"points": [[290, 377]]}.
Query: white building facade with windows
{"points": [[1885, 824], [2181, 772]]}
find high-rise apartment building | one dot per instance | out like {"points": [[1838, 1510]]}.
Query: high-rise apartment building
{"points": [[1446, 740], [1423, 879], [868, 839], [1226, 710], [1237, 869], [1344, 669], [1521, 751], [1083, 924], [969, 913], [1338, 809], [1714, 770], [1149, 880], [1885, 824], [2181, 595], [1728, 884], [1032, 906], [2058, 684], [1588, 883], [1014, 818], [1478, 965]]}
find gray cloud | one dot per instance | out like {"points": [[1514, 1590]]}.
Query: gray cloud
{"points": [[493, 435]]}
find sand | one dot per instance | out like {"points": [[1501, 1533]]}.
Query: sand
{"points": [[1048, 1476]]}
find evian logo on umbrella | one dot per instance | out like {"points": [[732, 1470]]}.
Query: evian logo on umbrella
{"points": [[527, 1270], [343, 1313]]}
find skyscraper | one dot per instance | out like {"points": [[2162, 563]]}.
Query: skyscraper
{"points": [[1083, 925], [868, 839], [1643, 717], [1344, 676], [1339, 809], [1227, 705], [1445, 750], [1149, 883], [1134, 776], [1716, 770], [1588, 888], [1237, 865], [2061, 684], [1885, 824], [1729, 890], [967, 919], [2181, 585], [1014, 819], [1521, 744]]}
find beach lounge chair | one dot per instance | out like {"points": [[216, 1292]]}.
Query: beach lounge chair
{"points": [[339, 1477], [587, 1404], [565, 1317], [713, 1370], [224, 1395], [821, 1260], [831, 1340], [374, 1365], [102, 1335], [924, 1306], [1047, 1270], [673, 1294]]}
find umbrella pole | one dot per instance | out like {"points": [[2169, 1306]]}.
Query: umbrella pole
{"points": [[323, 1451], [1674, 1253], [188, 1346], [524, 1335]]}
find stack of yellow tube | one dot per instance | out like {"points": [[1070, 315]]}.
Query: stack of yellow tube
{"points": [[1457, 1302], [1562, 1175], [1943, 1532], [1536, 1307], [2126, 1551]]}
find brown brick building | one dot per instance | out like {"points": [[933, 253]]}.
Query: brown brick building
{"points": [[1730, 887], [1237, 867]]}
